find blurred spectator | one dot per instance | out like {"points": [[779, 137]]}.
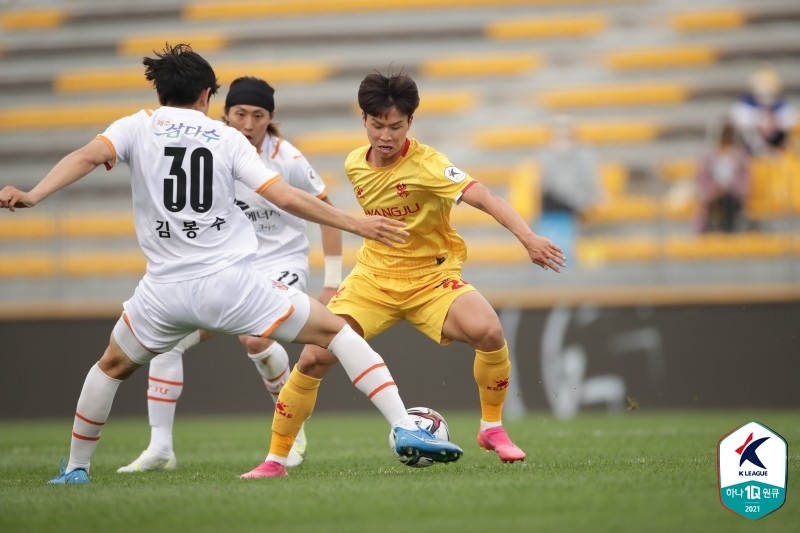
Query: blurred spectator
{"points": [[570, 180], [723, 184], [570, 183], [763, 117]]}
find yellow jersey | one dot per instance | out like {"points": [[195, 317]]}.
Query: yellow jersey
{"points": [[419, 189]]}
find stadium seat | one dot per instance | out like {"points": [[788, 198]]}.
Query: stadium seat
{"points": [[131, 79], [36, 265], [618, 95], [546, 27], [661, 58], [727, 246], [703, 20], [33, 19], [481, 66], [598, 251]]}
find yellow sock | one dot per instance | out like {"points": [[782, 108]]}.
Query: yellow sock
{"points": [[492, 371], [295, 404]]}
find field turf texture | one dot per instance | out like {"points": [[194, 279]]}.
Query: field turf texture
{"points": [[635, 471]]}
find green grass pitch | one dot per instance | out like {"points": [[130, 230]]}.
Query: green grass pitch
{"points": [[633, 472]]}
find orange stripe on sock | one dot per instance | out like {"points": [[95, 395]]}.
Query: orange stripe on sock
{"points": [[84, 437], [367, 371], [378, 389], [180, 383], [78, 415], [165, 400]]}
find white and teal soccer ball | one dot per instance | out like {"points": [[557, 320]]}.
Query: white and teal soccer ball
{"points": [[426, 418]]}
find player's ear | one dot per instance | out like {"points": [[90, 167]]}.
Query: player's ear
{"points": [[364, 118], [410, 119]]}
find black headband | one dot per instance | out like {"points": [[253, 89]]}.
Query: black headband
{"points": [[251, 92]]}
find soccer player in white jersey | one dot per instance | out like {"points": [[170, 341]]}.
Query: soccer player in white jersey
{"points": [[418, 281], [283, 249], [199, 248]]}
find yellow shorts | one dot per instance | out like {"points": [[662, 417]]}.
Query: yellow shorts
{"points": [[378, 302]]}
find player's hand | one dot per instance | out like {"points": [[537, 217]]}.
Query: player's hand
{"points": [[11, 198], [326, 295], [385, 230], [546, 254]]}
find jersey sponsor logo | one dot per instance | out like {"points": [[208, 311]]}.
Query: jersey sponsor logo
{"points": [[499, 385], [393, 211], [402, 190], [455, 174], [453, 284], [279, 285]]}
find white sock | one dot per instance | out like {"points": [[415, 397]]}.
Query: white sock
{"points": [[489, 425], [368, 372], [94, 405], [165, 385], [273, 365]]}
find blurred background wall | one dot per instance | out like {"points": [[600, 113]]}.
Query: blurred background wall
{"points": [[629, 98]]}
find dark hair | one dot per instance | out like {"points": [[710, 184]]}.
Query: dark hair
{"points": [[377, 94], [179, 75], [249, 90]]}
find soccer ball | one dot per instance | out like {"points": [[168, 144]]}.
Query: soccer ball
{"points": [[426, 418]]}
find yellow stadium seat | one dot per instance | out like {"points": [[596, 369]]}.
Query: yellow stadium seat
{"points": [[597, 251], [721, 19], [775, 186], [626, 208], [722, 246], [619, 132], [27, 227], [499, 65], [33, 19], [620, 95], [143, 45], [652, 58], [678, 169], [98, 225], [614, 178], [132, 79], [330, 143], [28, 266], [546, 27], [105, 263], [514, 137]]}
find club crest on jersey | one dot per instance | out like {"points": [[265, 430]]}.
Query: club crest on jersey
{"points": [[402, 190], [359, 192], [313, 177], [455, 174]]}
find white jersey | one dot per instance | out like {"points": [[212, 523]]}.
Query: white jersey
{"points": [[281, 236], [183, 166]]}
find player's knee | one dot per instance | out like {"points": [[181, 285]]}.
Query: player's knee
{"points": [[315, 361], [115, 364], [490, 338], [255, 344]]}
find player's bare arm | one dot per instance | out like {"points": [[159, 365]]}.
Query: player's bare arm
{"points": [[540, 249], [70, 169], [332, 251], [299, 203]]}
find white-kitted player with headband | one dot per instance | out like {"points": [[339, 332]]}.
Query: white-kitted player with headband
{"points": [[199, 247], [283, 249]]}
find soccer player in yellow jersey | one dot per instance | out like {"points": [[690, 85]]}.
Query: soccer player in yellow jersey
{"points": [[420, 280]]}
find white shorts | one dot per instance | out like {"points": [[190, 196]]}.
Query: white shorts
{"points": [[237, 300]]}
